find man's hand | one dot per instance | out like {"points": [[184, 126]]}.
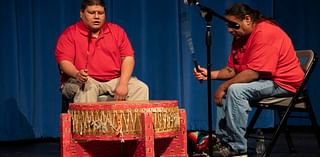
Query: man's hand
{"points": [[220, 92], [121, 92], [200, 74], [82, 75]]}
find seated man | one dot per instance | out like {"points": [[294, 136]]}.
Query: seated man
{"points": [[262, 63], [96, 58]]}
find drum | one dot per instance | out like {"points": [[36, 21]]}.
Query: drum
{"points": [[122, 118]]}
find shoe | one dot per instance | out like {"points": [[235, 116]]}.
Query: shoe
{"points": [[224, 150]]}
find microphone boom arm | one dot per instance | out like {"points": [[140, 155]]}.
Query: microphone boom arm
{"points": [[207, 13]]}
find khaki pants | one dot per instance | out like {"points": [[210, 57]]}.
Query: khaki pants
{"points": [[137, 90]]}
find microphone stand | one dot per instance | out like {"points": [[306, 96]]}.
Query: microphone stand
{"points": [[208, 40], [207, 14]]}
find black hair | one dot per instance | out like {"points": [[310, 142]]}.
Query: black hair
{"points": [[240, 10], [86, 3]]}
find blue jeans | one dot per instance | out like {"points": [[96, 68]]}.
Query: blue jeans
{"points": [[232, 117]]}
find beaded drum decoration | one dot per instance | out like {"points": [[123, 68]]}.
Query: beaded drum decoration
{"points": [[122, 118]]}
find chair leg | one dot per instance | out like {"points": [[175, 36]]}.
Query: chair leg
{"points": [[283, 121], [253, 122], [312, 116], [316, 130], [64, 104], [291, 147]]}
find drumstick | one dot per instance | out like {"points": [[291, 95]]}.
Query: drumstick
{"points": [[186, 31], [87, 56]]}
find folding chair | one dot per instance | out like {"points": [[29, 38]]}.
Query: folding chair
{"points": [[300, 102]]}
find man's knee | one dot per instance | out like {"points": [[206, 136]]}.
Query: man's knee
{"points": [[235, 88], [144, 87], [144, 90], [139, 91], [69, 90]]}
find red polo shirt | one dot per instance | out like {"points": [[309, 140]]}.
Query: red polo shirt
{"points": [[268, 50], [102, 56]]}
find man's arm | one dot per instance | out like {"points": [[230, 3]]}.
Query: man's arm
{"points": [[126, 69], [243, 77], [223, 74], [127, 66], [69, 69]]}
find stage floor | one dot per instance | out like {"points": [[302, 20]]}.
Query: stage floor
{"points": [[304, 141]]}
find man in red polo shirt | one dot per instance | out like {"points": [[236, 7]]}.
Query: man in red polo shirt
{"points": [[262, 63], [96, 58]]}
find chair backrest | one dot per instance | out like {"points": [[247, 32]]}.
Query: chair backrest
{"points": [[306, 58]]}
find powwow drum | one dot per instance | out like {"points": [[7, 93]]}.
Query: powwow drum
{"points": [[114, 119]]}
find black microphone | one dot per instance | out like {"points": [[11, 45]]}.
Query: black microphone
{"points": [[189, 2]]}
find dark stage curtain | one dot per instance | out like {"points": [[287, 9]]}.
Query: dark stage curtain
{"points": [[163, 34]]}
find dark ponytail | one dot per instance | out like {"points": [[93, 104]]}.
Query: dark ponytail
{"points": [[240, 10]]}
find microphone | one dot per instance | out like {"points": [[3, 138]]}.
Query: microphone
{"points": [[189, 2]]}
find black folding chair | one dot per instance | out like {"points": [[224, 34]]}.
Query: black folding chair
{"points": [[300, 102]]}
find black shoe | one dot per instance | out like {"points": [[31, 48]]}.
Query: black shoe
{"points": [[224, 150]]}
